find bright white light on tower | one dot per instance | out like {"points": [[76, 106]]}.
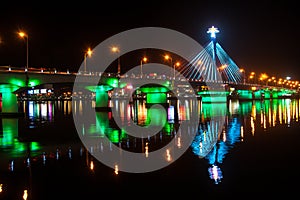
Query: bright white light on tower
{"points": [[213, 30]]}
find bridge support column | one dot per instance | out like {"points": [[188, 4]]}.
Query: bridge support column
{"points": [[101, 96], [9, 103], [101, 99], [245, 94], [257, 95], [213, 96], [156, 98], [155, 95], [9, 100]]}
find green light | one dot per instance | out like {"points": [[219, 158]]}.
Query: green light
{"points": [[122, 85], [156, 116], [245, 94], [21, 83], [17, 82], [102, 123], [168, 128], [153, 98], [275, 94], [33, 82], [258, 106], [154, 89], [8, 88], [167, 84], [213, 96], [123, 134], [113, 136], [214, 109], [101, 99], [10, 131], [267, 107], [93, 129], [9, 102], [113, 82], [99, 88], [257, 94], [101, 94], [267, 94], [245, 107]]}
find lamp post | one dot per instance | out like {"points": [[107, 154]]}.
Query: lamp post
{"points": [[221, 71], [24, 35], [87, 53], [177, 64], [143, 60], [252, 77], [243, 75], [117, 50], [167, 57]]}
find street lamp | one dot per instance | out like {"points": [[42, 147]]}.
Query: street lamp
{"points": [[167, 57], [117, 50], [24, 35], [243, 75], [177, 64], [143, 60], [252, 77], [87, 53], [263, 77]]}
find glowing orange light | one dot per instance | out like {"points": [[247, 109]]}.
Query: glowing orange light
{"points": [[25, 195], [116, 169], [22, 34], [114, 49]]}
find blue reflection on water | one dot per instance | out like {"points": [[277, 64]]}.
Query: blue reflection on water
{"points": [[213, 145], [223, 146]]}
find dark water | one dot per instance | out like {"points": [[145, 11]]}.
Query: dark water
{"points": [[250, 152]]}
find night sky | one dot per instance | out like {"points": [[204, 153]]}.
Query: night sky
{"points": [[261, 36]]}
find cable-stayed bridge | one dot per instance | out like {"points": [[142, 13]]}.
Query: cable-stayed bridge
{"points": [[210, 67], [213, 64]]}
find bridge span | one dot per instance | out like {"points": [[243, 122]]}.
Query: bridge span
{"points": [[211, 76], [17, 84]]}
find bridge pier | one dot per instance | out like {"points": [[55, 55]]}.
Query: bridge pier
{"points": [[9, 100], [9, 103], [101, 99], [155, 95], [213, 96], [101, 96]]}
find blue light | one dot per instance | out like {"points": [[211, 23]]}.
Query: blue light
{"points": [[213, 30]]}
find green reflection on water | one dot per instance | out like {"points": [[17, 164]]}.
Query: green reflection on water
{"points": [[10, 141]]}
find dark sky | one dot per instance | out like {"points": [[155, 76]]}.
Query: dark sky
{"points": [[261, 36]]}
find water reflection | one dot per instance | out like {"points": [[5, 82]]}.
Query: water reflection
{"points": [[219, 131], [260, 114]]}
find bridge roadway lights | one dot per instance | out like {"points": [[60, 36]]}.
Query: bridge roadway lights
{"points": [[9, 101], [263, 94]]}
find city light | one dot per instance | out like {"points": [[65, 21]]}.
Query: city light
{"points": [[116, 49], [143, 60], [88, 53], [24, 35]]}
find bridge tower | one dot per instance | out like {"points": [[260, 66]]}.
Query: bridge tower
{"points": [[212, 31]]}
